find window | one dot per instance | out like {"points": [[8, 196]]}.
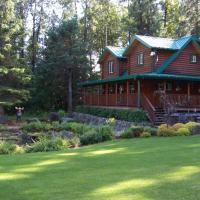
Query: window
{"points": [[160, 86], [110, 67], [131, 88], [169, 87], [193, 58], [140, 59]]}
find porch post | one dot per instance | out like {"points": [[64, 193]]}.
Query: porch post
{"points": [[98, 93], [127, 92], [116, 93], [165, 86], [139, 94], [188, 91], [106, 94], [84, 95]]}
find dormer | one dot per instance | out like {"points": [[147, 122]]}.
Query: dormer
{"points": [[146, 53], [112, 62]]}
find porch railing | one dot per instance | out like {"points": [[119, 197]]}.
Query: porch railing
{"points": [[148, 106], [182, 100]]}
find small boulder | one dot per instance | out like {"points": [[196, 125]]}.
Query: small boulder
{"points": [[196, 130], [54, 117]]}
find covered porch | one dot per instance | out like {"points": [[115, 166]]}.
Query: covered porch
{"points": [[182, 93]]}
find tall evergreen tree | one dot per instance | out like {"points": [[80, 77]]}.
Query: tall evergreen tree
{"points": [[190, 23], [13, 73], [64, 64], [144, 17], [171, 18]]}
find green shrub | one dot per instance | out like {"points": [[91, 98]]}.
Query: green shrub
{"points": [[183, 131], [127, 133], [7, 148], [90, 137], [61, 113], [78, 128], [190, 125], [45, 144], [128, 115], [178, 126], [165, 130], [36, 126], [152, 131], [145, 134], [106, 132], [131, 132], [96, 135]]}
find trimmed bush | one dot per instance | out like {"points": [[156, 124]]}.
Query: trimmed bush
{"points": [[145, 135], [45, 144], [183, 131], [165, 130], [178, 126], [190, 125], [131, 132], [128, 115]]}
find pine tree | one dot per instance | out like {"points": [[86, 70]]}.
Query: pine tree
{"points": [[144, 17], [13, 74], [64, 64]]}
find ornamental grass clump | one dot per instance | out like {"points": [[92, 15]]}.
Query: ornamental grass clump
{"points": [[45, 144]]}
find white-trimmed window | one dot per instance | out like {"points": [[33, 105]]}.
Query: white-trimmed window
{"points": [[140, 59], [193, 58], [110, 67]]}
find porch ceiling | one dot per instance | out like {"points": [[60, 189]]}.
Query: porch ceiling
{"points": [[152, 76]]}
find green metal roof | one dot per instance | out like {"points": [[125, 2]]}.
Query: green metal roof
{"points": [[152, 76], [115, 51], [160, 43], [182, 42]]}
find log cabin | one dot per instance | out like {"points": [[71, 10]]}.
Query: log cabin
{"points": [[134, 76]]}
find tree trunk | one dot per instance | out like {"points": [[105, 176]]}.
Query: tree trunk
{"points": [[2, 117], [70, 92]]}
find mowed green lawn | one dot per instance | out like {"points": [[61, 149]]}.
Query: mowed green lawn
{"points": [[135, 169]]}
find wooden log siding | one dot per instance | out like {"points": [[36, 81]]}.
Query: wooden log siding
{"points": [[182, 65], [133, 67], [104, 67], [162, 56]]}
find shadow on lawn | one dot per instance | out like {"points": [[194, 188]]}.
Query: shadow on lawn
{"points": [[158, 169]]}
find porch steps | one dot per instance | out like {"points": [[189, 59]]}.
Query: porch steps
{"points": [[160, 115]]}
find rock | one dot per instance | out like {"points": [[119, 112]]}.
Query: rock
{"points": [[64, 134], [54, 116], [196, 130], [3, 119], [119, 126]]}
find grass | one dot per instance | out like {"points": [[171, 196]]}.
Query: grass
{"points": [[135, 169]]}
